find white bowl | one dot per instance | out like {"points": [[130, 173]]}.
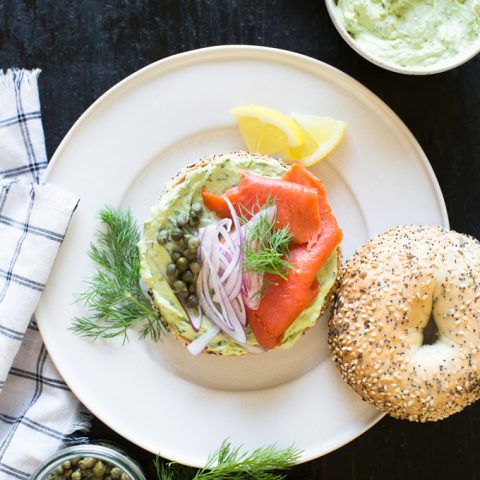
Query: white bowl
{"points": [[441, 66]]}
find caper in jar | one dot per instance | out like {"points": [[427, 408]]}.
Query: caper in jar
{"points": [[77, 475], [87, 467], [116, 473], [99, 469], [87, 462]]}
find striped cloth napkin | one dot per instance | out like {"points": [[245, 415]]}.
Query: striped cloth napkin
{"points": [[38, 413]]}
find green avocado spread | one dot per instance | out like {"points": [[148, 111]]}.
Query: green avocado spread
{"points": [[216, 176], [412, 33]]}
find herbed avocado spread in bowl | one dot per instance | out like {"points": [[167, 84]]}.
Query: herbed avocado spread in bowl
{"points": [[410, 36], [182, 196]]}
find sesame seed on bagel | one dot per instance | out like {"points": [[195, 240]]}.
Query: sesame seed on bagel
{"points": [[387, 294]]}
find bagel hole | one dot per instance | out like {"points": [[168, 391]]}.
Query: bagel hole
{"points": [[430, 332]]}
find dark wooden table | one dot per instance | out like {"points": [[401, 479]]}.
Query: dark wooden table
{"points": [[86, 46]]}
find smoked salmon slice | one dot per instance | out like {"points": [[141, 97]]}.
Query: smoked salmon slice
{"points": [[297, 205], [302, 204], [285, 299]]}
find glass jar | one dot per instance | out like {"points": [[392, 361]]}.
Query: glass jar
{"points": [[105, 452]]}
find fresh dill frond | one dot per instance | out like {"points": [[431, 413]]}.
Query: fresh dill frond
{"points": [[113, 296], [266, 247], [230, 462], [172, 470]]}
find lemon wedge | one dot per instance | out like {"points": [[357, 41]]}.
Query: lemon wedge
{"points": [[266, 130], [322, 135]]}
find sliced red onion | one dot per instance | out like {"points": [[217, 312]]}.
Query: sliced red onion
{"points": [[201, 342], [229, 323], [236, 222], [256, 350], [252, 283], [221, 288], [195, 320], [239, 308], [220, 280]]}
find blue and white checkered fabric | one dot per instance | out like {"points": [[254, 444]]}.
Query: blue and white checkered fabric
{"points": [[38, 413]]}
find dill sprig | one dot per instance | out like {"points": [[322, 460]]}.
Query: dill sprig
{"points": [[114, 297], [230, 462], [266, 247]]}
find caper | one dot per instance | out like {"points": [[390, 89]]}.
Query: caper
{"points": [[124, 477], [175, 255], [87, 462], [195, 267], [193, 243], [196, 208], [179, 285], [77, 475], [176, 234], [191, 254], [194, 220], [192, 300], [67, 464], [182, 264], [181, 243], [116, 473], [99, 469], [192, 288], [59, 470], [187, 277], [183, 294], [162, 237], [67, 473], [171, 269], [182, 220], [75, 460]]}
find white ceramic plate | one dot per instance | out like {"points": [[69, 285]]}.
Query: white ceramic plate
{"points": [[122, 151]]}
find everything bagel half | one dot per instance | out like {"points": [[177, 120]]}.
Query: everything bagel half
{"points": [[392, 288]]}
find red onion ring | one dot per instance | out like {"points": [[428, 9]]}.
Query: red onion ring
{"points": [[200, 343]]}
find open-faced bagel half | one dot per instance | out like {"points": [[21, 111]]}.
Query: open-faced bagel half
{"points": [[217, 172]]}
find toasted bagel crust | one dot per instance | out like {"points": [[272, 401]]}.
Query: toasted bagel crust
{"points": [[387, 294]]}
